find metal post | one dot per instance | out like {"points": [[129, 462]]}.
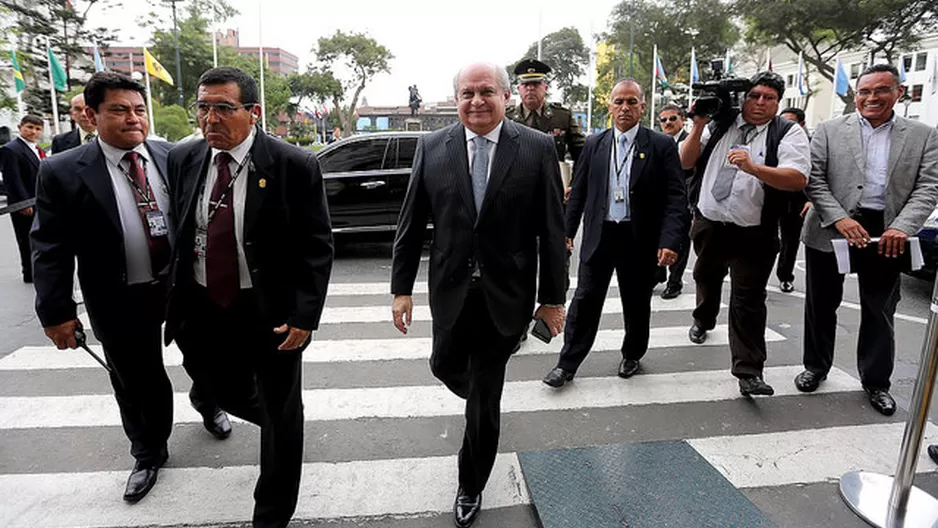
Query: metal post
{"points": [[631, 34], [182, 101], [888, 502]]}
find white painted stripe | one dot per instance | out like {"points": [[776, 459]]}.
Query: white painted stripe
{"points": [[203, 496], [853, 306], [809, 455], [351, 350], [434, 400], [382, 288], [382, 313]]}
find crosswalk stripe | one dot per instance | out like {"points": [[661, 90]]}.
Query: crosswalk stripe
{"points": [[20, 412], [383, 288], [809, 455], [195, 496], [351, 350]]}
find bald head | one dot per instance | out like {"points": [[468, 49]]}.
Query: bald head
{"points": [[632, 84], [77, 111], [482, 92], [500, 74], [626, 104]]}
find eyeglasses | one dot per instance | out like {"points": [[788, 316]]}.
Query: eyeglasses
{"points": [[753, 96], [881, 91], [222, 110], [669, 118]]}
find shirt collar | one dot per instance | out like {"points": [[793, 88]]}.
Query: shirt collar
{"points": [[116, 155], [29, 144], [759, 128], [82, 134], [241, 150], [525, 112], [491, 136], [885, 126], [630, 133]]}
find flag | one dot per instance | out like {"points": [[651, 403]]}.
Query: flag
{"points": [[933, 78], [694, 72], [659, 71], [841, 83], [18, 79], [799, 79], [901, 70], [98, 63], [156, 69], [58, 73], [68, 5]]}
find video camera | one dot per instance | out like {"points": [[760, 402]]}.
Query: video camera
{"points": [[721, 94]]}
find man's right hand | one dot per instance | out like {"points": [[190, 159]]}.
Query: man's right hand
{"points": [[403, 310], [26, 212], [853, 232], [63, 335]]}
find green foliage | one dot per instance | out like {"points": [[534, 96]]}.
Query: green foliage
{"points": [[276, 89], [567, 55], [172, 122]]}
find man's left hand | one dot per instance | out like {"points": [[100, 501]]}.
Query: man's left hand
{"points": [[740, 158], [666, 257], [892, 243], [554, 316], [295, 337]]}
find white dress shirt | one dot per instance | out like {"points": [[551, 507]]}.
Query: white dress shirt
{"points": [[876, 144], [136, 244], [237, 200], [492, 136], [743, 206]]}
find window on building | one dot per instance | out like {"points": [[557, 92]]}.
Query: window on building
{"points": [[790, 81], [907, 62], [916, 93], [920, 60], [855, 70]]}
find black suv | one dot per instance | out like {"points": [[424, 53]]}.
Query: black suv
{"points": [[366, 179]]}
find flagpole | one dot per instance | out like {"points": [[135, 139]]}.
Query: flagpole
{"points": [[690, 85], [540, 22], [834, 85], [55, 102], [19, 104], [214, 48], [592, 79], [146, 75], [132, 65], [260, 57], [654, 79]]}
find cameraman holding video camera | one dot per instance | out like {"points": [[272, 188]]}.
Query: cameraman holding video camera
{"points": [[743, 158]]}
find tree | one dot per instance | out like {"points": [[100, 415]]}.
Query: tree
{"points": [[276, 90], [317, 84], [172, 121], [363, 57], [564, 51]]}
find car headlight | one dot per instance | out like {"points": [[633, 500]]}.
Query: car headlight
{"points": [[932, 222]]}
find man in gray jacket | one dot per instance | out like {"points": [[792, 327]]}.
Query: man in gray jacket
{"points": [[873, 174]]}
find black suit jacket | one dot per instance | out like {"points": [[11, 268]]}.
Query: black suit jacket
{"points": [[19, 167], [522, 205], [77, 216], [66, 140], [657, 193], [287, 233]]}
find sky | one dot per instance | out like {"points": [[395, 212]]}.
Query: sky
{"points": [[430, 40]]}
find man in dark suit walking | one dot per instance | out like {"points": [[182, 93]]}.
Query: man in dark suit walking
{"points": [[790, 220], [84, 134], [107, 205], [671, 117], [19, 163], [249, 273], [630, 185], [492, 190]]}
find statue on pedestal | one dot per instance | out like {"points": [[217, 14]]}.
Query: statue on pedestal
{"points": [[415, 100]]}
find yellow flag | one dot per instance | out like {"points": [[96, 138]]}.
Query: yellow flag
{"points": [[155, 68]]}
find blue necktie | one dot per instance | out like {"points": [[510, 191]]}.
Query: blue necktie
{"points": [[480, 169]]}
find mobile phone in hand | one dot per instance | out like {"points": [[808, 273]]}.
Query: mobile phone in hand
{"points": [[541, 331]]}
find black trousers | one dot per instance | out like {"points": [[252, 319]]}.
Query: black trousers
{"points": [[676, 270], [21, 225], [878, 281], [233, 353], [470, 359], [748, 254], [143, 391], [636, 276], [789, 227]]}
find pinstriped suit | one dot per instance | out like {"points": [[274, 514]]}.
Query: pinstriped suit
{"points": [[518, 232]]}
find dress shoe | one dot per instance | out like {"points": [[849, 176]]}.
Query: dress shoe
{"points": [[558, 377], [628, 368], [786, 286], [141, 481], [808, 381], [755, 386], [933, 453], [697, 334], [671, 292], [217, 424], [466, 509], [881, 401]]}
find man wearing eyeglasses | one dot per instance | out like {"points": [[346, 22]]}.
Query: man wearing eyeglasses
{"points": [[741, 166], [873, 174], [248, 275], [671, 117]]}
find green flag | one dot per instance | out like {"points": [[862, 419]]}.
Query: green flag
{"points": [[58, 73], [18, 75]]}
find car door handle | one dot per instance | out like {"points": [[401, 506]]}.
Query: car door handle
{"points": [[373, 184]]}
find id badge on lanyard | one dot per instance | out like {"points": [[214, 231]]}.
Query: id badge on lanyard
{"points": [[156, 221]]}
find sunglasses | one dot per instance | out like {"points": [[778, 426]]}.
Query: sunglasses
{"points": [[669, 118]]}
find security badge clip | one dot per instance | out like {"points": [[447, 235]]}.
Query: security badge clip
{"points": [[201, 241], [156, 221], [618, 194]]}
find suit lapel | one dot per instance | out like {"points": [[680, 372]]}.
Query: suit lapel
{"points": [[504, 155], [600, 164], [896, 145], [159, 160], [854, 139], [92, 169], [192, 178], [638, 156], [458, 163], [261, 166], [29, 153]]}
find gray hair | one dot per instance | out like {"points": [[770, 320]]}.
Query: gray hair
{"points": [[627, 80], [501, 76]]}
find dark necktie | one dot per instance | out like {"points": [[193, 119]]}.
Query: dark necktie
{"points": [[89, 138], [221, 252], [42, 153], [158, 245]]}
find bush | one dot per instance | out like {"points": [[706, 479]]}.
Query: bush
{"points": [[301, 141]]}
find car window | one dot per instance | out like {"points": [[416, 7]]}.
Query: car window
{"points": [[405, 152], [365, 155]]}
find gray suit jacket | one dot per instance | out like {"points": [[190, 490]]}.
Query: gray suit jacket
{"points": [[838, 171]]}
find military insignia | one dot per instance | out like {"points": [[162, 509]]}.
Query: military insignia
{"points": [[263, 182], [641, 155]]}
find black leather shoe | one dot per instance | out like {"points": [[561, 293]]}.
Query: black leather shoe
{"points": [[558, 377], [755, 386], [671, 292], [466, 509], [933, 453], [808, 381], [627, 368], [786, 286], [140, 482], [697, 334], [217, 424], [881, 401]]}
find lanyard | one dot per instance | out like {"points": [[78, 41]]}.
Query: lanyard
{"points": [[148, 200], [213, 206], [615, 157]]}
